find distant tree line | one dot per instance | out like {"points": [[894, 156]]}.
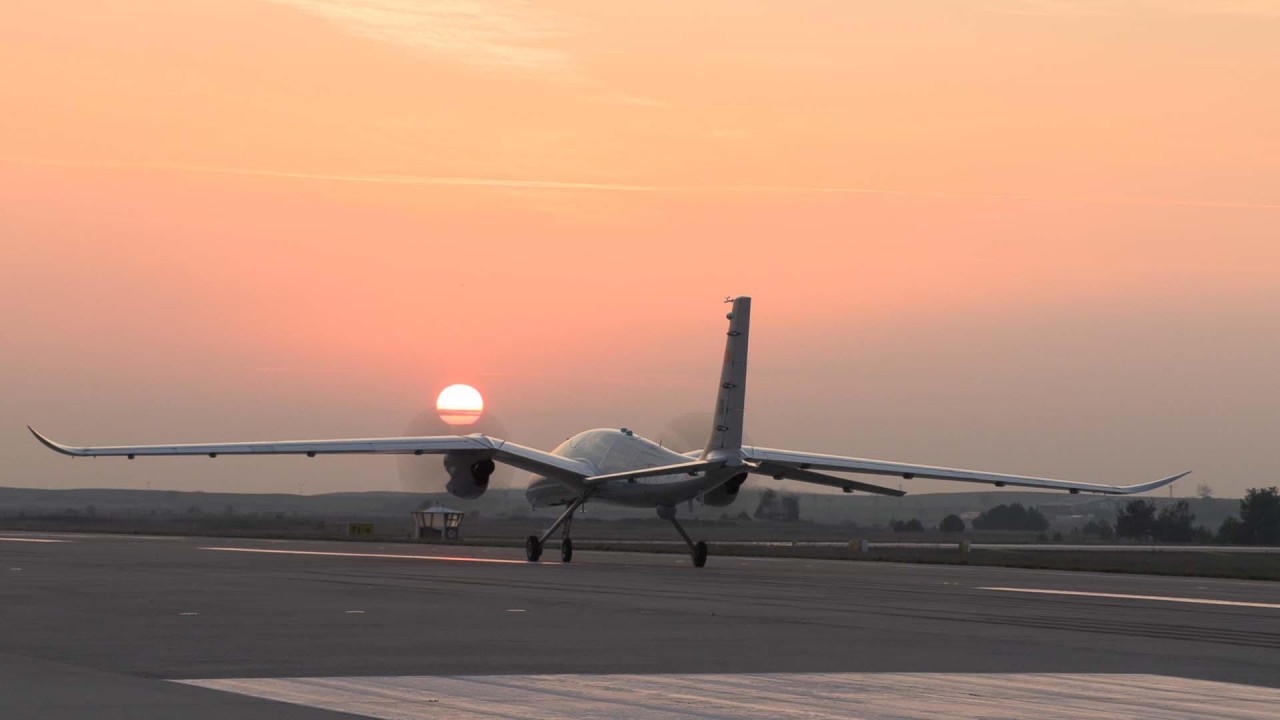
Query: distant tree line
{"points": [[1258, 524], [912, 525], [776, 506], [1011, 517], [1099, 528]]}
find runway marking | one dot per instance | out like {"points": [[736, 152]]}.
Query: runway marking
{"points": [[1123, 596], [187, 614], [34, 540], [784, 696], [353, 612], [515, 610], [392, 556]]}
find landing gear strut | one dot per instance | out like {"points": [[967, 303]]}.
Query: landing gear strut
{"points": [[533, 544], [697, 550]]}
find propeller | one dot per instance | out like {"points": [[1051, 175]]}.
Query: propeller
{"points": [[426, 473]]}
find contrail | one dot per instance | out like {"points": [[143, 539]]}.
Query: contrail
{"points": [[535, 184]]}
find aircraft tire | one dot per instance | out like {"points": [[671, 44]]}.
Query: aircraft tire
{"points": [[566, 550], [699, 554], [532, 548]]}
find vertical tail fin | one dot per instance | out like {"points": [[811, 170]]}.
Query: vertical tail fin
{"points": [[726, 429]]}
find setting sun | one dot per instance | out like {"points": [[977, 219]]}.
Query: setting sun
{"points": [[460, 405]]}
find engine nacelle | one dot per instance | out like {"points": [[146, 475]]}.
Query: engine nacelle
{"points": [[469, 473], [726, 493]]}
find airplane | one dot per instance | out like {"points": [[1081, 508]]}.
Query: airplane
{"points": [[617, 466]]}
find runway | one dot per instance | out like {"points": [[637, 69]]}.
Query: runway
{"points": [[104, 625]]}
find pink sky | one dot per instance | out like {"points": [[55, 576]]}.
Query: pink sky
{"points": [[1025, 236]]}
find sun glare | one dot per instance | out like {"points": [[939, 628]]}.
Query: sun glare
{"points": [[460, 405]]}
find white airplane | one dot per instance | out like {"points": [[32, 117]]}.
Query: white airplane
{"points": [[617, 466]]}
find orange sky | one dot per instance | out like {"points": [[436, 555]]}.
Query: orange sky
{"points": [[1031, 236]]}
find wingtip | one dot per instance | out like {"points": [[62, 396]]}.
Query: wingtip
{"points": [[1163, 482], [49, 443]]}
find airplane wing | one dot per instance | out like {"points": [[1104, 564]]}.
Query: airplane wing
{"points": [[524, 458], [785, 463]]}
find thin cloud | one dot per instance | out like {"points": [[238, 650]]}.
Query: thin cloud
{"points": [[1059, 8], [1248, 8], [535, 184], [510, 34], [633, 100], [556, 185]]}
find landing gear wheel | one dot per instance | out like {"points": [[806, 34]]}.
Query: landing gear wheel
{"points": [[566, 550], [532, 548], [699, 554]]}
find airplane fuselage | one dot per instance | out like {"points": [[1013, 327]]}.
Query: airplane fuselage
{"points": [[610, 450]]}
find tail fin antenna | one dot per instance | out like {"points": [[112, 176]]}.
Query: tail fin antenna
{"points": [[726, 430]]}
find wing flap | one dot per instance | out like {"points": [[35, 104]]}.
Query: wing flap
{"points": [[838, 463], [688, 468], [781, 472]]}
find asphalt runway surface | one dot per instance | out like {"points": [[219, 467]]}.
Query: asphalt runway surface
{"points": [[137, 627]]}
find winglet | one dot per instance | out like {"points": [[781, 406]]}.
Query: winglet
{"points": [[53, 445], [1135, 489]]}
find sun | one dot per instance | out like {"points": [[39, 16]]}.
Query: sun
{"points": [[460, 405]]}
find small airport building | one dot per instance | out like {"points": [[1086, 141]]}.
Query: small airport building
{"points": [[437, 523]]}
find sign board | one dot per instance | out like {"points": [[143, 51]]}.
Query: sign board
{"points": [[357, 529]]}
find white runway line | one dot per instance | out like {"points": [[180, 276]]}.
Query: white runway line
{"points": [[32, 540], [784, 696], [1123, 596], [392, 556]]}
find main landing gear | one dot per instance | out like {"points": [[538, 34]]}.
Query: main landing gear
{"points": [[697, 550], [533, 544]]}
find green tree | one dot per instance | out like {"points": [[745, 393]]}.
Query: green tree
{"points": [[1011, 517], [776, 506], [767, 507], [1231, 531], [791, 507], [1260, 516], [912, 525], [1101, 528], [1175, 523], [951, 523], [1136, 520]]}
